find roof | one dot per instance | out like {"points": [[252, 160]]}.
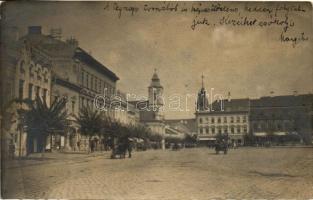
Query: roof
{"points": [[283, 101], [281, 107], [232, 105], [84, 57], [186, 125], [155, 81], [58, 48]]}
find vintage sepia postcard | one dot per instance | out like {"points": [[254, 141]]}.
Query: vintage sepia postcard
{"points": [[180, 100]]}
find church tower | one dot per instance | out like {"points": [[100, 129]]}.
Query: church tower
{"points": [[202, 100], [155, 91]]}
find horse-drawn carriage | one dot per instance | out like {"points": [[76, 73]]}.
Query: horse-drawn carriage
{"points": [[120, 151], [221, 143], [123, 145]]}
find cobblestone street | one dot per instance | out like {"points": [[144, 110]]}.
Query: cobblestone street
{"points": [[186, 174]]}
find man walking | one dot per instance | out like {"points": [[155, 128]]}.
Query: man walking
{"points": [[129, 148]]}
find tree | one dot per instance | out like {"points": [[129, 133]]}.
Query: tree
{"points": [[40, 120], [90, 121]]}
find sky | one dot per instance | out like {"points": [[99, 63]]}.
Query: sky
{"points": [[243, 60]]}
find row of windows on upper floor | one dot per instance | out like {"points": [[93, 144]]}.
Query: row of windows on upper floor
{"points": [[40, 74], [224, 119], [274, 125], [231, 129], [96, 84], [33, 91]]}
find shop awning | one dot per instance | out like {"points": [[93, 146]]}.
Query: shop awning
{"points": [[260, 134], [280, 133], [207, 139]]}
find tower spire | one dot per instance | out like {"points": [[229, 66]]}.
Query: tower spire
{"points": [[202, 77]]}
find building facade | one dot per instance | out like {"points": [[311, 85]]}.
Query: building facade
{"points": [[281, 119], [232, 121], [32, 79], [52, 68]]}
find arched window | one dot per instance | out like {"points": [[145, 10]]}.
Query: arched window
{"points": [[22, 67], [39, 74], [31, 74]]}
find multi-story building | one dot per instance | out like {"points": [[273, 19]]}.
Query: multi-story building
{"points": [[232, 119], [32, 79], [279, 117], [222, 116], [53, 68]]}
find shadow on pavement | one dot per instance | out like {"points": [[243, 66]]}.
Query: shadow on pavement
{"points": [[274, 175]]}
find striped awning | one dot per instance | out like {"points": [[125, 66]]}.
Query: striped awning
{"points": [[260, 134], [207, 139], [280, 133]]}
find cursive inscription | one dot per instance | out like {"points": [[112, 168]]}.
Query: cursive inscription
{"points": [[211, 14]]}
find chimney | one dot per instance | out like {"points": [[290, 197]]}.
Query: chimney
{"points": [[56, 33], [33, 30], [72, 41]]}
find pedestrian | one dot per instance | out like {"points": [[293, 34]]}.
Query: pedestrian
{"points": [[78, 145], [129, 148], [11, 150], [92, 146], [235, 145]]}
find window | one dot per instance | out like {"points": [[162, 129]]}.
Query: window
{"points": [[31, 74], [21, 89], [232, 130], [201, 131], [87, 80], [238, 129], [200, 120], [37, 91], [45, 77], [213, 130], [212, 120], [244, 119], [44, 96], [82, 102], [96, 84], [219, 120], [82, 77], [231, 119], [225, 119], [38, 74], [30, 91], [225, 130], [22, 67], [219, 131], [238, 119], [206, 130], [245, 129], [73, 106], [91, 82], [99, 87]]}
